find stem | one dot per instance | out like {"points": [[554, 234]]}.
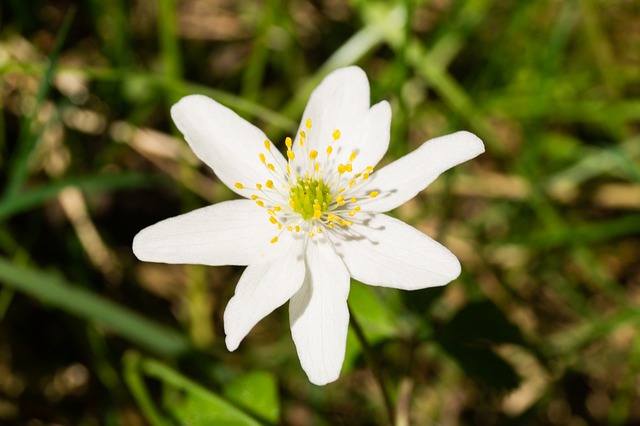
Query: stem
{"points": [[374, 366]]}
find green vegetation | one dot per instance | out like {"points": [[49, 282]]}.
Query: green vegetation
{"points": [[542, 326]]}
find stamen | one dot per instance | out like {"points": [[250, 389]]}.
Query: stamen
{"points": [[291, 155], [373, 194], [274, 240], [269, 184], [336, 135], [308, 123], [239, 185], [267, 144], [288, 142], [352, 156], [263, 159], [329, 150], [313, 154]]}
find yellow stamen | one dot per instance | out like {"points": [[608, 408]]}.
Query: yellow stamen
{"points": [[308, 123], [329, 150], [291, 155], [271, 167], [352, 156], [260, 203], [313, 154], [341, 168], [365, 176], [288, 142], [259, 186], [373, 194], [267, 144], [336, 135], [273, 220], [254, 197], [269, 184], [289, 228], [274, 240], [349, 167], [297, 228], [262, 158], [239, 185], [354, 199]]}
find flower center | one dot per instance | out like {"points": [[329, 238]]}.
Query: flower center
{"points": [[313, 207], [310, 197]]}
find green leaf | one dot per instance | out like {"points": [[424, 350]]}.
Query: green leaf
{"points": [[257, 392], [56, 292], [481, 322], [187, 402]]}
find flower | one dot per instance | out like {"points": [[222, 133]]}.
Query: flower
{"points": [[310, 221]]}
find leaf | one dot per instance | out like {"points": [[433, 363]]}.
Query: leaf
{"points": [[257, 392], [55, 291], [481, 322]]}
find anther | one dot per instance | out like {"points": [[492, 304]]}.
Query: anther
{"points": [[288, 142], [239, 185], [313, 154], [267, 144], [262, 158], [274, 240], [260, 203], [259, 186], [336, 135], [271, 167], [341, 168], [373, 194], [352, 156], [329, 150], [269, 184], [291, 155], [308, 123]]}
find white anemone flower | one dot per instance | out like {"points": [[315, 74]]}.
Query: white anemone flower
{"points": [[311, 220]]}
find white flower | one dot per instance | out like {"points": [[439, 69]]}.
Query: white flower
{"points": [[312, 220]]}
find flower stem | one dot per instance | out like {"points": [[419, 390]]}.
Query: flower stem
{"points": [[374, 366]]}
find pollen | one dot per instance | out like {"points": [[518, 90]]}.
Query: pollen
{"points": [[262, 158], [373, 194], [313, 154], [288, 142], [239, 185], [267, 144], [336, 135], [308, 123], [352, 156], [291, 155], [274, 240], [329, 150]]}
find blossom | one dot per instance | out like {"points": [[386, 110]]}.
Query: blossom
{"points": [[312, 219]]}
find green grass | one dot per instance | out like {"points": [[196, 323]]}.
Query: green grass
{"points": [[541, 327]]}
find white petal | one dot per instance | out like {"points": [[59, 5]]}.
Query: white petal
{"points": [[264, 287], [373, 140], [404, 178], [340, 102], [230, 233], [319, 314], [384, 251], [226, 142]]}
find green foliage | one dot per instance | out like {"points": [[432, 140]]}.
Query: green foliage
{"points": [[542, 325]]}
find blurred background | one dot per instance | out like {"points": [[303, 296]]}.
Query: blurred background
{"points": [[542, 328]]}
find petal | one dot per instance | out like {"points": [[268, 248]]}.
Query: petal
{"points": [[319, 314], [226, 143], [384, 251], [264, 287], [373, 141], [230, 233], [404, 178], [340, 102]]}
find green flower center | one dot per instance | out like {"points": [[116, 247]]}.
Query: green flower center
{"points": [[310, 197]]}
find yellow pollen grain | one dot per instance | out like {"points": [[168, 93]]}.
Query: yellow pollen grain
{"points": [[349, 167], [254, 197], [291, 155], [269, 184], [373, 194], [267, 144], [369, 169], [339, 199], [273, 220], [271, 212], [352, 183], [341, 168], [279, 226], [329, 150], [277, 208], [260, 203], [262, 158], [288, 142], [356, 209], [274, 240], [303, 135], [297, 228], [352, 156], [313, 154], [352, 213], [239, 185], [365, 176], [336, 135], [271, 167], [259, 186], [354, 199], [308, 123]]}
